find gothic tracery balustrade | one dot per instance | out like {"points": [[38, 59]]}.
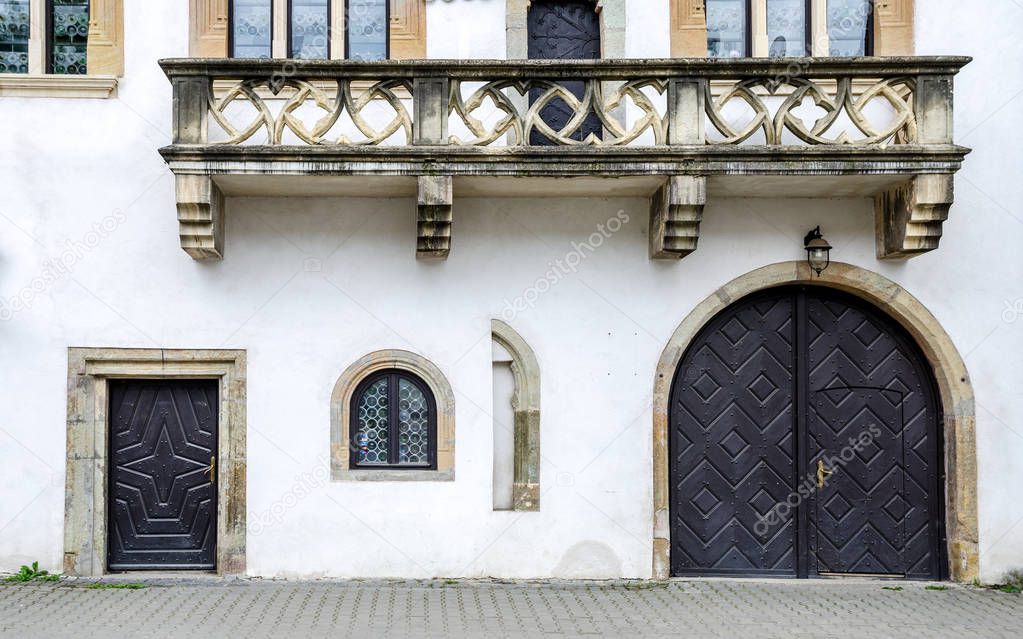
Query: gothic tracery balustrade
{"points": [[646, 103], [275, 110]]}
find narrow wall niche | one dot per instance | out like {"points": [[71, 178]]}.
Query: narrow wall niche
{"points": [[512, 355], [504, 429]]}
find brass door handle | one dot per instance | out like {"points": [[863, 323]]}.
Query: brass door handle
{"points": [[822, 473], [212, 470]]}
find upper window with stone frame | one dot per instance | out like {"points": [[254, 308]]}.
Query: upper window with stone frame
{"points": [[326, 29], [61, 48], [789, 28], [58, 37]]}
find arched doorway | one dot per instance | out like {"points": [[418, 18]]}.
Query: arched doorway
{"points": [[905, 322], [804, 441]]}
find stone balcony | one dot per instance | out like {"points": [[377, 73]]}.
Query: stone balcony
{"points": [[673, 130]]}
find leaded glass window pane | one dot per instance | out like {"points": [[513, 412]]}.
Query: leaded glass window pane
{"points": [[367, 29], [251, 28], [69, 36], [413, 424], [371, 438], [14, 21], [848, 22], [727, 23], [393, 422], [786, 28], [309, 29]]}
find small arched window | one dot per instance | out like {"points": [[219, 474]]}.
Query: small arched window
{"points": [[393, 422]]}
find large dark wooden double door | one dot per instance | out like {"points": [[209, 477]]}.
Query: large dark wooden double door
{"points": [[804, 441], [162, 506]]}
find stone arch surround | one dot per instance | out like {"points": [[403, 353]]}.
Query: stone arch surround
{"points": [[954, 387], [340, 405]]}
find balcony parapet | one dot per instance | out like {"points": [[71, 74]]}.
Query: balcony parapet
{"points": [[872, 125]]}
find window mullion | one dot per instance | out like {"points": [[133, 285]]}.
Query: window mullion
{"points": [[392, 419], [37, 36], [759, 46], [279, 43], [819, 44], [337, 29]]}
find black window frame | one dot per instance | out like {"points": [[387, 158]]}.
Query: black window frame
{"points": [[392, 375], [807, 28], [387, 26], [230, 29], [330, 27], [868, 37], [49, 41], [749, 30]]}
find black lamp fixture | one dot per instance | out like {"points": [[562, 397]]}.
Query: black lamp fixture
{"points": [[818, 251]]}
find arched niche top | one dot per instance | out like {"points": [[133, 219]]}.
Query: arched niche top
{"points": [[525, 366], [340, 417]]}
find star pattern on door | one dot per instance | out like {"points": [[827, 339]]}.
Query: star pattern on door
{"points": [[162, 496]]}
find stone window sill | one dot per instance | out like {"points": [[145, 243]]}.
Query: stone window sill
{"points": [[19, 85], [392, 475]]}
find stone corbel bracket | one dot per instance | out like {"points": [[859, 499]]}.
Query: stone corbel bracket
{"points": [[909, 217], [676, 211], [433, 217], [200, 217]]}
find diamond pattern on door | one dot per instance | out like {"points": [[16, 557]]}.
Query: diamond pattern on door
{"points": [[887, 386], [162, 497], [775, 384], [859, 440], [740, 457]]}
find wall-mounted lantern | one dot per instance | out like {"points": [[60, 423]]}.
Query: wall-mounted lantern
{"points": [[818, 251]]}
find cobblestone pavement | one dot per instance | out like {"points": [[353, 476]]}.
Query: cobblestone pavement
{"points": [[250, 608]]}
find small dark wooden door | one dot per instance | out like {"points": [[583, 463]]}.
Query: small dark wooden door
{"points": [[804, 440], [563, 30], [857, 523], [162, 495]]}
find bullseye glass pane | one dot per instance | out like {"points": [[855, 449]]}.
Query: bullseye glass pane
{"points": [[367, 29], [726, 28], [14, 22], [371, 440], [847, 26], [69, 38], [786, 28], [413, 425], [251, 30], [309, 29]]}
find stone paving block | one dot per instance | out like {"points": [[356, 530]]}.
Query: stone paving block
{"points": [[693, 608]]}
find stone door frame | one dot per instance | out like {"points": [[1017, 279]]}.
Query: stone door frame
{"points": [[954, 389], [85, 511]]}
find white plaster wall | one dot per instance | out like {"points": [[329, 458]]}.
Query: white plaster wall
{"points": [[465, 29], [647, 24], [309, 286], [975, 282]]}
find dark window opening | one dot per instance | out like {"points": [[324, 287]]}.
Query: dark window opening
{"points": [[393, 422]]}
